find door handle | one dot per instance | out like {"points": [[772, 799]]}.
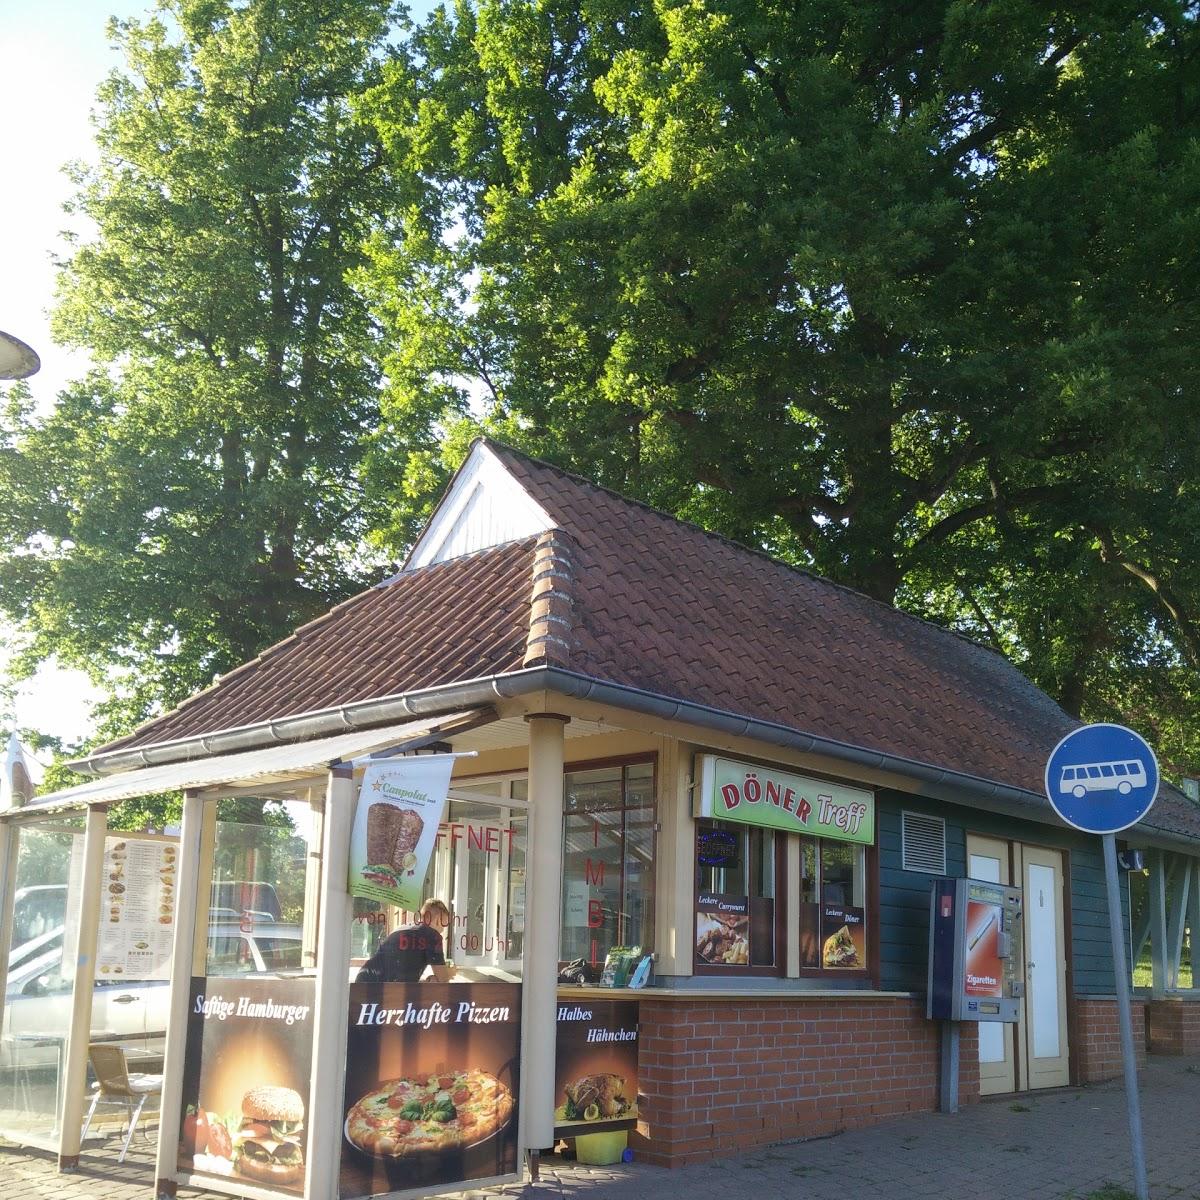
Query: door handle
{"points": [[124, 999]]}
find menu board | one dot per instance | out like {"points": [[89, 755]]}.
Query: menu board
{"points": [[137, 910]]}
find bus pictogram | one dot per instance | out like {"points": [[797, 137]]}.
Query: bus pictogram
{"points": [[1120, 776]]}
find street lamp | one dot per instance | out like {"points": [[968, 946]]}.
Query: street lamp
{"points": [[17, 360]]}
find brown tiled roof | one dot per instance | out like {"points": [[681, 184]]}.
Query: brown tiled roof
{"points": [[441, 624], [663, 606]]}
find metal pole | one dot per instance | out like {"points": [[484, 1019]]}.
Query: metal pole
{"points": [[1121, 971], [948, 1091]]}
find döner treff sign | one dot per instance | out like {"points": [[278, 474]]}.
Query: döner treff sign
{"points": [[728, 790]]}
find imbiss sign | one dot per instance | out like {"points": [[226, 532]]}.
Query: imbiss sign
{"points": [[728, 790]]}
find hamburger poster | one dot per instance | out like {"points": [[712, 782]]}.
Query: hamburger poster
{"points": [[400, 807], [245, 1080]]}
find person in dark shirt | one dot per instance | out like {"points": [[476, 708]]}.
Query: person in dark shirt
{"points": [[404, 954]]}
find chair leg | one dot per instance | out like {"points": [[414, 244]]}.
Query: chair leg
{"points": [[133, 1120], [88, 1119]]}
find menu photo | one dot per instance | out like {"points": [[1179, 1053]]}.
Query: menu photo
{"points": [[843, 938], [431, 1085], [596, 1066], [722, 929], [246, 1074], [138, 913]]}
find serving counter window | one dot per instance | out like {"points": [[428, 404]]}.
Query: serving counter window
{"points": [[833, 911], [737, 806], [737, 917], [608, 860]]}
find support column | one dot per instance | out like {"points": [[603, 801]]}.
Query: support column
{"points": [[10, 835], [1176, 918], [1193, 919], [333, 990], [74, 1070], [543, 906], [312, 881], [191, 891], [1158, 924]]}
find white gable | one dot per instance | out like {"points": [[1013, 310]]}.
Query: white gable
{"points": [[484, 507]]}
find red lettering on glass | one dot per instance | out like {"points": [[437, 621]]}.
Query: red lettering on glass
{"points": [[591, 874], [595, 915]]}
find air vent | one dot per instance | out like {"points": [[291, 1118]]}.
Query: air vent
{"points": [[923, 843]]}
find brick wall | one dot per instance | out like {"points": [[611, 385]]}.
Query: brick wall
{"points": [[719, 1077], [1097, 1039], [1173, 1026]]}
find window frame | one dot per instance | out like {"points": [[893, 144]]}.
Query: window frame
{"points": [[779, 969], [869, 973]]}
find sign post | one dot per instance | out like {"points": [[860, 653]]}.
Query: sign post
{"points": [[1103, 779]]}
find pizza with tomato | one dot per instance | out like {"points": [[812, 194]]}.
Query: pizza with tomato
{"points": [[447, 1111]]}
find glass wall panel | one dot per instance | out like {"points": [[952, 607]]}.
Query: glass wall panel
{"points": [[37, 1004], [250, 1014]]}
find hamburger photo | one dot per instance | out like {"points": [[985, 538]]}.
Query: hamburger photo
{"points": [[267, 1145]]}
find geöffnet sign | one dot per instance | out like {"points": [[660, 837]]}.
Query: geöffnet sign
{"points": [[754, 795]]}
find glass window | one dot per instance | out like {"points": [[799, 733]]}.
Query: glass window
{"points": [[37, 1003], [608, 861], [735, 895], [833, 927]]}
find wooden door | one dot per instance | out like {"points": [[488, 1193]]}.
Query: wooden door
{"points": [[990, 859], [1043, 1038]]}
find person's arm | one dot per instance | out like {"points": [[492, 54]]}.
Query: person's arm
{"points": [[372, 971], [436, 959]]}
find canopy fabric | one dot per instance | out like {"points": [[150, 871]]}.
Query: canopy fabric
{"points": [[272, 764]]}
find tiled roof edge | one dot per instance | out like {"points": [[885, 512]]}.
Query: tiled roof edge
{"points": [[300, 632], [815, 576]]}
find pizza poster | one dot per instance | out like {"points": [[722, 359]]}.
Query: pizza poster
{"points": [[246, 1073], [400, 806], [843, 938], [137, 911], [595, 1066], [431, 1085], [983, 969], [722, 929]]}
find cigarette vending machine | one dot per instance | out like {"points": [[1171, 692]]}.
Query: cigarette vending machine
{"points": [[975, 949]]}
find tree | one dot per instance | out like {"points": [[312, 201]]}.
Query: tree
{"points": [[900, 293], [195, 497]]}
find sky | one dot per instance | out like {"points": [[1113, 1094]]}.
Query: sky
{"points": [[53, 56]]}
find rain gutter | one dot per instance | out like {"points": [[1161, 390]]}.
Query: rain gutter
{"points": [[936, 782]]}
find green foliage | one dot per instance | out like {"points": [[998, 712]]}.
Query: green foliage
{"points": [[905, 295], [195, 496]]}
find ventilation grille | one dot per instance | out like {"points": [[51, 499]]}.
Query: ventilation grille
{"points": [[923, 843]]}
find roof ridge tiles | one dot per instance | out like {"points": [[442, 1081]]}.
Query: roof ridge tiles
{"points": [[733, 544]]}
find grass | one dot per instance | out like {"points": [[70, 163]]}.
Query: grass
{"points": [[1143, 976]]}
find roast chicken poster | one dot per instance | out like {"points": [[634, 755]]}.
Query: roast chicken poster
{"points": [[596, 1066], [246, 1074], [400, 806]]}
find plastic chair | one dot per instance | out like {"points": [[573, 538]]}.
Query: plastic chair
{"points": [[115, 1085]]}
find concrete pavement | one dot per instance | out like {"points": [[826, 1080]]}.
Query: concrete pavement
{"points": [[1061, 1145]]}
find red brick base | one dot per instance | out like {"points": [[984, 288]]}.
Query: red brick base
{"points": [[720, 1076], [1096, 1049], [1173, 1026]]}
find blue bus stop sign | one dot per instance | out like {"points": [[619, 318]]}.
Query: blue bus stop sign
{"points": [[1102, 778]]}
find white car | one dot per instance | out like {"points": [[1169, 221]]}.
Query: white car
{"points": [[37, 1006]]}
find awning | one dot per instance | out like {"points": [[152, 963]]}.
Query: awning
{"points": [[274, 764]]}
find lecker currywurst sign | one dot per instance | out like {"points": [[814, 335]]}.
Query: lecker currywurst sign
{"points": [[737, 791]]}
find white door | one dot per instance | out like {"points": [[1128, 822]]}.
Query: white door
{"points": [[989, 859], [1044, 1058]]}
